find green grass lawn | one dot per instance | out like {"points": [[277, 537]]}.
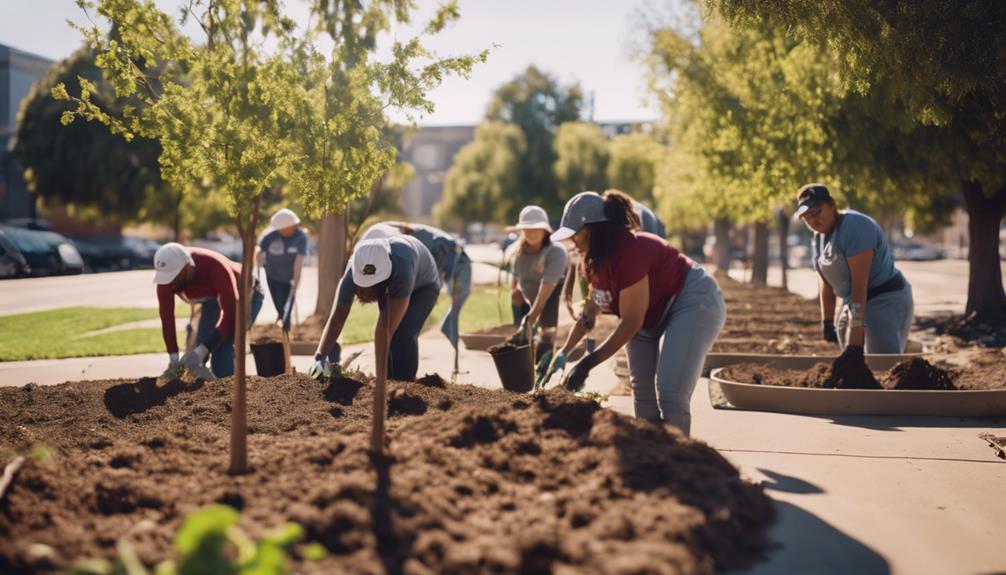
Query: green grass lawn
{"points": [[61, 333]]}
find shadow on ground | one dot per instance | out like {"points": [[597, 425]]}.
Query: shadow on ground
{"points": [[128, 398], [808, 544]]}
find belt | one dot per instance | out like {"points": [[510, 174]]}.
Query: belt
{"points": [[896, 283]]}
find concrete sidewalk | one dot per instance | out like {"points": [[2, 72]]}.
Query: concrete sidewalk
{"points": [[854, 494]]}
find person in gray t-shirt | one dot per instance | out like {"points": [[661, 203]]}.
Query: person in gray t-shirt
{"points": [[400, 275], [648, 221], [453, 264], [855, 263], [539, 267]]}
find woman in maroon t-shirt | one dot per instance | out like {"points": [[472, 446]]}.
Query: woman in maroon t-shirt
{"points": [[670, 309]]}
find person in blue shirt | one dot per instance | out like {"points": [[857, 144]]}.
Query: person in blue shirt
{"points": [[854, 261], [281, 253]]}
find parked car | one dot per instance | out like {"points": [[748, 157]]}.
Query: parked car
{"points": [[105, 253], [143, 250], [45, 253], [12, 262], [917, 252]]}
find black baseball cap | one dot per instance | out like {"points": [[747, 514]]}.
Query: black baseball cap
{"points": [[811, 196]]}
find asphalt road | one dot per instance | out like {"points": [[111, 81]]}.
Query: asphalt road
{"points": [[938, 286]]}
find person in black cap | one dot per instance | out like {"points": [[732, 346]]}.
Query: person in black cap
{"points": [[854, 260]]}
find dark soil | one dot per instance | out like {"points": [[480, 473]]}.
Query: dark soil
{"points": [[763, 319], [504, 347], [986, 371], [477, 480], [953, 332]]}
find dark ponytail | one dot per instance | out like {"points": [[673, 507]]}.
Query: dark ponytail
{"points": [[605, 236]]}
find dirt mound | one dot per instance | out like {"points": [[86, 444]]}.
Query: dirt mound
{"points": [[957, 331], [308, 330], [762, 319], [987, 371], [917, 373], [477, 480]]}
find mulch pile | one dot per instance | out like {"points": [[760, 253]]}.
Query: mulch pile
{"points": [[476, 480], [987, 370], [951, 332], [762, 319]]}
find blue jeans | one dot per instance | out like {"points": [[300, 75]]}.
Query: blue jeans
{"points": [[665, 362], [280, 291], [222, 356], [462, 280]]}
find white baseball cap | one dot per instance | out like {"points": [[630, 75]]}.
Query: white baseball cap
{"points": [[169, 260], [284, 219], [582, 209], [531, 218], [371, 262]]}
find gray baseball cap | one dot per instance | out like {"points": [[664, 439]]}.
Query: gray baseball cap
{"points": [[582, 209]]}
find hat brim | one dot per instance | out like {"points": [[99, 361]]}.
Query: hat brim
{"points": [[164, 277], [372, 280], [539, 226], [804, 208], [563, 233]]}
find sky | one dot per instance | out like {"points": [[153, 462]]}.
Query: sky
{"points": [[585, 41]]}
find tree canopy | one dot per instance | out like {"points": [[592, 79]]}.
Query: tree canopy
{"points": [[537, 103], [581, 159]]}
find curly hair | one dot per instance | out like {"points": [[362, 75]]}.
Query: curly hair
{"points": [[604, 236]]}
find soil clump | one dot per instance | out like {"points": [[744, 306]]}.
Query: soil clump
{"points": [[476, 480]]}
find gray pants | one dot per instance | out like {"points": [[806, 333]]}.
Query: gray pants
{"points": [[888, 321], [664, 373]]}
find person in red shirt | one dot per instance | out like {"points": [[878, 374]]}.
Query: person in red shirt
{"points": [[202, 276], [670, 309]]}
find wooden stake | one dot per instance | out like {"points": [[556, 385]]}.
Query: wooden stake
{"points": [[380, 392]]}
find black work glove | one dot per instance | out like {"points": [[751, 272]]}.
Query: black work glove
{"points": [[577, 378], [829, 333]]}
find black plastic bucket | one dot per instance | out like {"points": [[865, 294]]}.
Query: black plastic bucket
{"points": [[269, 358], [515, 367]]}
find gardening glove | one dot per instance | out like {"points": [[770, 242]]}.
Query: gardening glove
{"points": [[322, 368], [828, 328], [174, 367], [849, 370], [543, 365], [195, 358], [577, 378]]}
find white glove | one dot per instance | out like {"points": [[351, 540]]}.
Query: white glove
{"points": [[173, 367], [196, 357], [322, 368]]}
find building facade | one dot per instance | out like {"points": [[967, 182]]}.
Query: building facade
{"points": [[431, 152], [18, 73]]}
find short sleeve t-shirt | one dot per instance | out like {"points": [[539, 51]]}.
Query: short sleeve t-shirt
{"points": [[412, 268], [442, 246], [531, 270], [853, 233], [281, 252], [639, 255]]}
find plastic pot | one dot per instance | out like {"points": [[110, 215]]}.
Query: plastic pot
{"points": [[515, 366], [269, 358]]}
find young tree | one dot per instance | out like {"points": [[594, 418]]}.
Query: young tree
{"points": [[581, 159], [943, 65]]}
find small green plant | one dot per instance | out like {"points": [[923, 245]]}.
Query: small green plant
{"points": [[600, 398], [210, 542]]}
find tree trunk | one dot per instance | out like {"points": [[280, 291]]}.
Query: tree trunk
{"points": [[986, 298], [332, 256], [782, 221], [759, 254], [239, 401], [721, 251]]}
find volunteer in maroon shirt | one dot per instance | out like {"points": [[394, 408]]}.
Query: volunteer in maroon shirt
{"points": [[670, 309], [203, 276]]}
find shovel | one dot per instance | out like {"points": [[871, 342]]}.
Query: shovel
{"points": [[286, 334]]}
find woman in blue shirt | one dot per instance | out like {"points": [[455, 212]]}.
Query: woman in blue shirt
{"points": [[854, 260]]}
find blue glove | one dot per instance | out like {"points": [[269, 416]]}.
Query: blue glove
{"points": [[558, 363]]}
